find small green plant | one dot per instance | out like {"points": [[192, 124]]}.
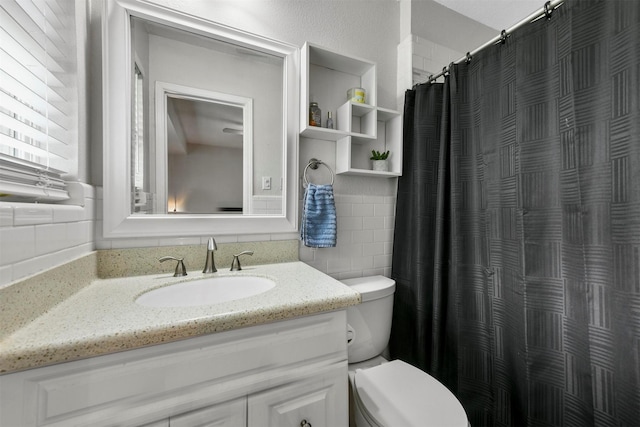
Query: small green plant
{"points": [[377, 155]]}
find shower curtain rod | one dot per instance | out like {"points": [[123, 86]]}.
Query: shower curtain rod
{"points": [[546, 11]]}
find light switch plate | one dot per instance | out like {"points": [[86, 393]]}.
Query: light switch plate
{"points": [[266, 183]]}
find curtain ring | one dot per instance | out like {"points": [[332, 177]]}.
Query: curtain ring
{"points": [[468, 60], [430, 79], [503, 36], [548, 10]]}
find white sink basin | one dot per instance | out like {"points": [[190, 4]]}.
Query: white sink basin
{"points": [[211, 290]]}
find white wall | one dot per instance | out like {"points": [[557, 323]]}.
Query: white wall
{"points": [[36, 237], [433, 36], [198, 67], [364, 28], [197, 194], [369, 29], [455, 31]]}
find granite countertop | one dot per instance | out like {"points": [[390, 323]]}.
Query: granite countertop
{"points": [[103, 317]]}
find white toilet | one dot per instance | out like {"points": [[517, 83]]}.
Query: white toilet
{"points": [[390, 394]]}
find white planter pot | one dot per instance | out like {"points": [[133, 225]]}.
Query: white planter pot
{"points": [[380, 165]]}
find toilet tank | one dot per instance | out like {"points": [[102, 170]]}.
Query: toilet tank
{"points": [[369, 323]]}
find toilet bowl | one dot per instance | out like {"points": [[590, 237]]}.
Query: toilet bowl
{"points": [[383, 393]]}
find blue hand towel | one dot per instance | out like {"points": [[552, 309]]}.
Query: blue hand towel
{"points": [[318, 228]]}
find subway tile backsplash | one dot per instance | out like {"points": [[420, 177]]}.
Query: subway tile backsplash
{"points": [[37, 237], [364, 242], [34, 238]]}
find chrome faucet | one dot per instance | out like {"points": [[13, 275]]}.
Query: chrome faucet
{"points": [[180, 268], [210, 264], [235, 264]]}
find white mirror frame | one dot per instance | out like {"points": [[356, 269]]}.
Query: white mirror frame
{"points": [[164, 90], [116, 81]]}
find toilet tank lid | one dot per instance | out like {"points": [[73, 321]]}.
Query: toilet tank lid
{"points": [[372, 287]]}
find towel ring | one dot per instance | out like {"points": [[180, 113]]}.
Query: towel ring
{"points": [[313, 164]]}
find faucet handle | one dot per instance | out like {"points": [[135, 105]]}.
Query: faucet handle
{"points": [[235, 264], [180, 268]]}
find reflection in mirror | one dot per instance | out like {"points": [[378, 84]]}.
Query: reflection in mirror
{"points": [[197, 143], [207, 149], [185, 163], [139, 145], [204, 136], [195, 64]]}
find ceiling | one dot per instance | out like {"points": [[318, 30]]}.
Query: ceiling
{"points": [[208, 122], [497, 14]]}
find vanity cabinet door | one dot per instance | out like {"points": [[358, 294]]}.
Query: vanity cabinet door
{"points": [[319, 401]]}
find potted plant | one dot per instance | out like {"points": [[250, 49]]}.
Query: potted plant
{"points": [[379, 160]]}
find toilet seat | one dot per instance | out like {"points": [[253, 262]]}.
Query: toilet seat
{"points": [[398, 394]]}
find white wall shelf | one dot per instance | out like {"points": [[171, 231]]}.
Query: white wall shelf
{"points": [[359, 128]]}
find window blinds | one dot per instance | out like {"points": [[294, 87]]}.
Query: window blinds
{"points": [[38, 98]]}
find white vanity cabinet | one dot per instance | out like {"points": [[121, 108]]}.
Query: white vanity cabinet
{"points": [[275, 374]]}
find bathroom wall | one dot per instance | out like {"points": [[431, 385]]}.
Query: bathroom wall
{"points": [[353, 27], [365, 206], [37, 237], [217, 71], [440, 25]]}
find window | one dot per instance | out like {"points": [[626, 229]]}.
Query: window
{"points": [[137, 138], [38, 99]]}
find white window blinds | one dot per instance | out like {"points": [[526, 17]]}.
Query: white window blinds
{"points": [[38, 98]]}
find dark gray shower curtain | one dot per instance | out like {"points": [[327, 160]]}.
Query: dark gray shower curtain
{"points": [[517, 238]]}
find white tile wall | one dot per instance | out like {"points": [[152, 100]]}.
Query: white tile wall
{"points": [[404, 70], [418, 58], [267, 205], [137, 242], [36, 237], [364, 241]]}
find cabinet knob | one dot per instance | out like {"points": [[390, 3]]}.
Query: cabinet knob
{"points": [[304, 423]]}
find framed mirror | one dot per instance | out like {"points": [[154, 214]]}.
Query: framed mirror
{"points": [[200, 124]]}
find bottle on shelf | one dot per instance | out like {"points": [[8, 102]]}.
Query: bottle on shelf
{"points": [[315, 115], [329, 123]]}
